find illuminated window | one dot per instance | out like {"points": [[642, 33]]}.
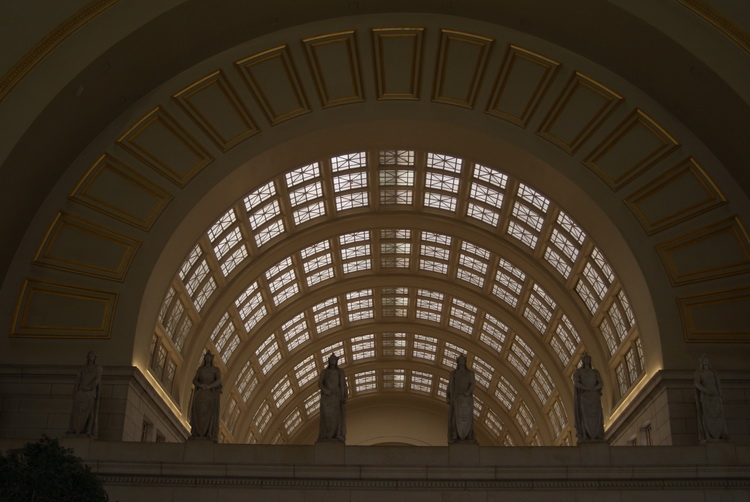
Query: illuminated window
{"points": [[429, 305], [421, 382], [292, 421], [363, 347], [305, 371], [295, 332], [462, 316], [505, 392], [424, 347], [394, 302], [365, 380], [393, 378], [262, 417], [565, 340], [268, 354], [493, 332], [520, 355], [493, 423], [508, 282], [542, 384], [247, 381], [483, 371], [394, 344], [524, 418], [281, 392]]}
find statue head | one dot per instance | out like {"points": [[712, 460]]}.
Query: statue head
{"points": [[208, 358], [461, 360], [91, 356], [704, 361], [586, 361], [333, 360]]}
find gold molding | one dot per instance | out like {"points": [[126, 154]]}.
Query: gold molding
{"points": [[180, 176], [413, 35], [579, 83], [70, 300], [514, 57], [46, 254], [686, 170], [314, 48], [482, 46], [248, 68], [711, 239], [199, 113], [42, 49], [722, 307], [725, 26], [83, 193], [618, 137]]}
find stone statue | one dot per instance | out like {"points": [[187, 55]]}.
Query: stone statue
{"points": [[587, 400], [204, 414], [709, 402], [84, 417], [333, 397], [460, 396]]}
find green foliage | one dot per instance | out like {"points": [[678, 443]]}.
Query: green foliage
{"points": [[45, 472]]}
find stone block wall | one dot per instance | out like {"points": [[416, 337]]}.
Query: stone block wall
{"points": [[665, 410], [36, 400]]}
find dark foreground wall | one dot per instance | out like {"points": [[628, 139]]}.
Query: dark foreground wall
{"points": [[202, 471]]}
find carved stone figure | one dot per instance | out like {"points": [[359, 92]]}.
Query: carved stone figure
{"points": [[84, 417], [460, 396], [709, 402], [333, 397], [204, 414], [587, 399]]}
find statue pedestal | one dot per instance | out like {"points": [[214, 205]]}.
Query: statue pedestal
{"points": [[329, 452], [594, 453], [463, 453]]}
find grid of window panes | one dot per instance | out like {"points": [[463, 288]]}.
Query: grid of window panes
{"points": [[362, 181]]}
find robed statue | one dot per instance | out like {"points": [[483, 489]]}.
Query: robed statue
{"points": [[709, 403], [84, 417], [460, 397], [587, 400], [333, 397], [204, 413]]}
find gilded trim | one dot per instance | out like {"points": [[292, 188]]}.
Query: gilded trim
{"points": [[82, 193], [31, 59], [197, 112], [725, 26], [514, 56], [46, 254], [24, 326]]}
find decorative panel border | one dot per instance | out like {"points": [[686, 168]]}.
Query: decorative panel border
{"points": [[273, 79], [49, 310], [397, 54], [334, 62], [679, 194], [636, 145], [214, 105], [580, 109], [716, 317], [77, 245], [460, 67], [710, 252], [160, 142], [120, 192], [521, 84]]}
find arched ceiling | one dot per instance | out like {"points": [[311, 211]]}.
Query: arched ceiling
{"points": [[397, 261], [397, 183]]}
